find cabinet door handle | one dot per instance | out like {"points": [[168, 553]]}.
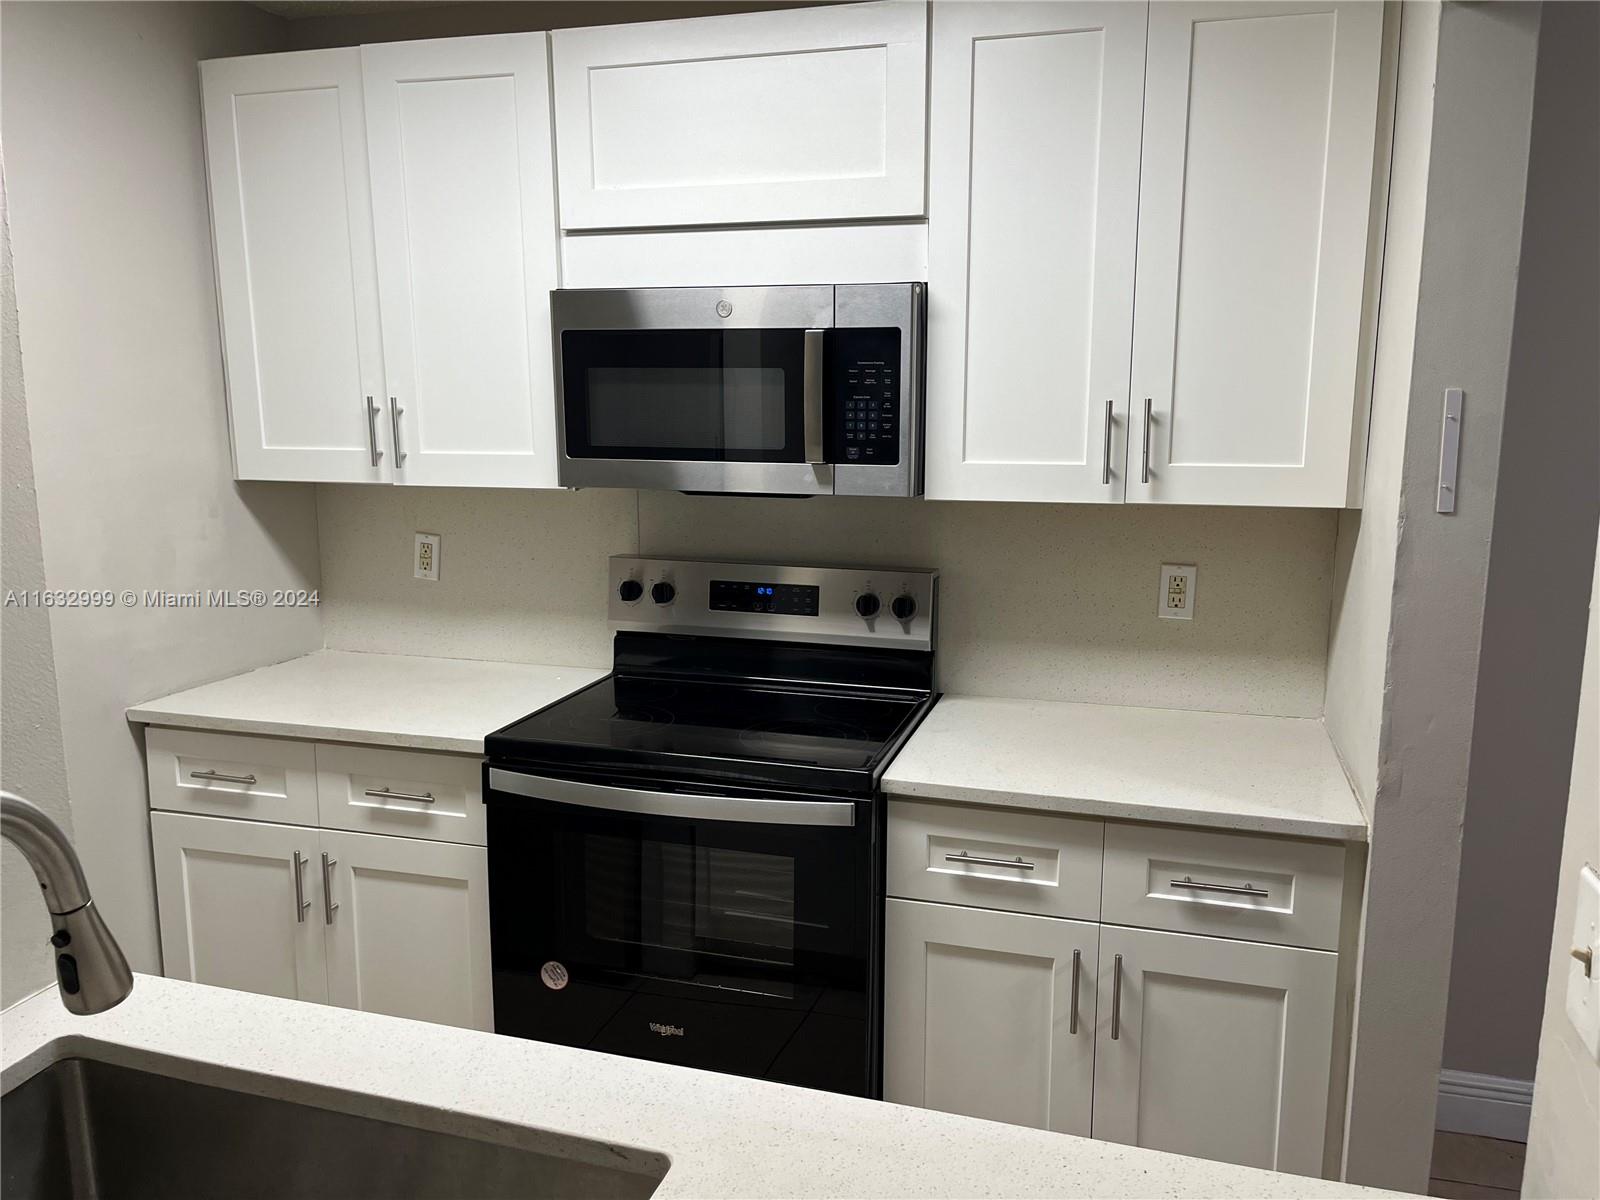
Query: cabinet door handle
{"points": [[300, 901], [328, 904], [372, 431], [384, 793], [223, 777], [1144, 471], [1230, 888], [1105, 464], [395, 412], [1116, 997], [1077, 969], [1019, 862]]}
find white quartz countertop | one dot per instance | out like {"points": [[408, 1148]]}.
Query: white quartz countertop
{"points": [[1264, 774], [721, 1135], [376, 699]]}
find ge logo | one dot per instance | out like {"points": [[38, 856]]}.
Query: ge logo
{"points": [[724, 309]]}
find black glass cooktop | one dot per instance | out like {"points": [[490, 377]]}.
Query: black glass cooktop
{"points": [[737, 733]]}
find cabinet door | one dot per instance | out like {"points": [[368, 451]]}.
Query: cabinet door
{"points": [[458, 132], [233, 912], [408, 927], [804, 115], [1214, 1048], [1260, 123], [990, 1014], [296, 281], [1033, 196]]}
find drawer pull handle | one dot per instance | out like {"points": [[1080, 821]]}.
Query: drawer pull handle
{"points": [[1077, 969], [384, 793], [223, 777], [1229, 888], [1019, 863]]}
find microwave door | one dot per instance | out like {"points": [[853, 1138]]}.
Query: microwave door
{"points": [[694, 409]]}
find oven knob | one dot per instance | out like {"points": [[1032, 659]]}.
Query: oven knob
{"points": [[867, 605], [903, 607], [630, 590], [663, 593]]}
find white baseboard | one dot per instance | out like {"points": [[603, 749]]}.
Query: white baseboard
{"points": [[1487, 1105]]}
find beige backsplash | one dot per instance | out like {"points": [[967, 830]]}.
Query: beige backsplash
{"points": [[1038, 601]]}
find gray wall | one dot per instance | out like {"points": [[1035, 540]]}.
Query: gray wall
{"points": [[112, 244], [31, 760], [1536, 606]]}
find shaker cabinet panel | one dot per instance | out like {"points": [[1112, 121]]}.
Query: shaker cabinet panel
{"points": [[235, 905], [1260, 123], [814, 114], [408, 927], [291, 219], [1214, 1048], [1033, 204], [458, 133], [990, 1014]]}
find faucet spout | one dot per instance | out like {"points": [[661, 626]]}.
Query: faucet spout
{"points": [[91, 971]]}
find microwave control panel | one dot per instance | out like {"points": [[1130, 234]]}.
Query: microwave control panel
{"points": [[864, 424]]}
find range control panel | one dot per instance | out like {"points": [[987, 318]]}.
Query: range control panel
{"points": [[865, 418], [838, 605]]}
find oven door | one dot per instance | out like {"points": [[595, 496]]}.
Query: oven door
{"points": [[731, 933], [693, 389]]}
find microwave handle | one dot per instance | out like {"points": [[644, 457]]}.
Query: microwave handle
{"points": [[674, 804], [811, 386]]}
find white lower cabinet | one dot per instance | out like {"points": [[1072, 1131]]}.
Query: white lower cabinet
{"points": [[1214, 1048], [233, 898], [1218, 1047], [408, 928], [990, 1014], [382, 924]]}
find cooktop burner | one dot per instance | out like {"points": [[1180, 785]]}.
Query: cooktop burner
{"points": [[729, 725]]}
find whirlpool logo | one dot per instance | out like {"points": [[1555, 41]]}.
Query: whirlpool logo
{"points": [[666, 1030]]}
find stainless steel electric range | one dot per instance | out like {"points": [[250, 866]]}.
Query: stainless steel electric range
{"points": [[686, 858]]}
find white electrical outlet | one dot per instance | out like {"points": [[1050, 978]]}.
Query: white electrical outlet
{"points": [[1176, 600], [425, 562]]}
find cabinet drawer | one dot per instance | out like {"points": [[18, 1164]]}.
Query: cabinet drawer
{"points": [[995, 858], [411, 793], [231, 775], [1260, 889]]}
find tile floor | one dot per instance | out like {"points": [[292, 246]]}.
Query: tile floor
{"points": [[1466, 1167]]}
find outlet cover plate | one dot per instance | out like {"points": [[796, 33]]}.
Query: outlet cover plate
{"points": [[1175, 601], [425, 558]]}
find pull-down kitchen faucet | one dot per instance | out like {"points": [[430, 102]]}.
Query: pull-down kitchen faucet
{"points": [[92, 974]]}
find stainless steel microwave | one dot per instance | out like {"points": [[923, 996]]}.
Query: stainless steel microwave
{"points": [[801, 391]]}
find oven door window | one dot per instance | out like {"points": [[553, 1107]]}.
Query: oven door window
{"points": [[772, 909], [702, 395]]}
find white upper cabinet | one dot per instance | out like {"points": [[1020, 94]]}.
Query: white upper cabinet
{"points": [[292, 222], [809, 114], [458, 133], [1259, 130], [1033, 202]]}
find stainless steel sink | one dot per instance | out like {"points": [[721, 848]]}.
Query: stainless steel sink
{"points": [[86, 1130]]}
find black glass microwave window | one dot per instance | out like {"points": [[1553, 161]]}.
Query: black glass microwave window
{"points": [[704, 395]]}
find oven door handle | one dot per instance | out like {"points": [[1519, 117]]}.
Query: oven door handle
{"points": [[689, 806], [811, 389]]}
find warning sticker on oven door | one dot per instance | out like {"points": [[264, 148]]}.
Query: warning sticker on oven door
{"points": [[554, 975]]}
